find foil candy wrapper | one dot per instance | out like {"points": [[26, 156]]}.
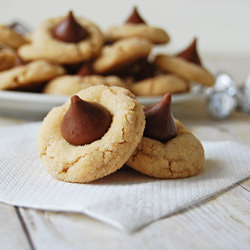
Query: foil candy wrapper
{"points": [[226, 96]]}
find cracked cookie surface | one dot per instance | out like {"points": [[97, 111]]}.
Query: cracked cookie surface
{"points": [[180, 157], [95, 160]]}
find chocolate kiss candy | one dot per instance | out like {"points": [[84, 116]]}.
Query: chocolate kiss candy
{"points": [[84, 122], [160, 124], [85, 70], [135, 17], [190, 53], [69, 30]]}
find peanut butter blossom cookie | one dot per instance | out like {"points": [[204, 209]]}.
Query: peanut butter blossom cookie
{"points": [[148, 80], [186, 64], [167, 149], [120, 54], [135, 26], [64, 40], [92, 135]]}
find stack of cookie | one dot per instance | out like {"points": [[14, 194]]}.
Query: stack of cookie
{"points": [[101, 128], [66, 54], [15, 73]]}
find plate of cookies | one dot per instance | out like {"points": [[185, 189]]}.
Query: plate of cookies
{"points": [[40, 69]]}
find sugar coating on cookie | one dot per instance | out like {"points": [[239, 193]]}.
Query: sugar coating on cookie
{"points": [[159, 85], [29, 74], [104, 156], [121, 53], [180, 157], [71, 84], [45, 46]]}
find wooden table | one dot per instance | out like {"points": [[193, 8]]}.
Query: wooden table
{"points": [[222, 222]]}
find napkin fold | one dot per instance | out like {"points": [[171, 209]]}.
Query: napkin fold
{"points": [[125, 199]]}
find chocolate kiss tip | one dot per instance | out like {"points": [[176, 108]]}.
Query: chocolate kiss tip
{"points": [[193, 44], [135, 10], [190, 53], [135, 18], [163, 104], [74, 99], [166, 98], [70, 14], [194, 40]]}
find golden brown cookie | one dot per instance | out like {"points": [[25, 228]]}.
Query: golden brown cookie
{"points": [[69, 85], [11, 38], [135, 26], [46, 46], [160, 85], [120, 54], [97, 159], [180, 157], [188, 70], [7, 58], [28, 76], [153, 34]]}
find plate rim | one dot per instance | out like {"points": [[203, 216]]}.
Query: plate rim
{"points": [[38, 97], [38, 105]]}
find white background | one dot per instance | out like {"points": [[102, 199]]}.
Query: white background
{"points": [[222, 26]]}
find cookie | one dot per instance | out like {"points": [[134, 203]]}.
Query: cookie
{"points": [[69, 85], [121, 53], [181, 157], [167, 149], [64, 40], [11, 38], [29, 76], [189, 71], [159, 85], [7, 58], [187, 65], [91, 161], [135, 26]]}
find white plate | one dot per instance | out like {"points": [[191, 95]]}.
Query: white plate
{"points": [[36, 106], [28, 105]]}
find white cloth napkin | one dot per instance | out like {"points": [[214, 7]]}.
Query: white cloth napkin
{"points": [[125, 199]]}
